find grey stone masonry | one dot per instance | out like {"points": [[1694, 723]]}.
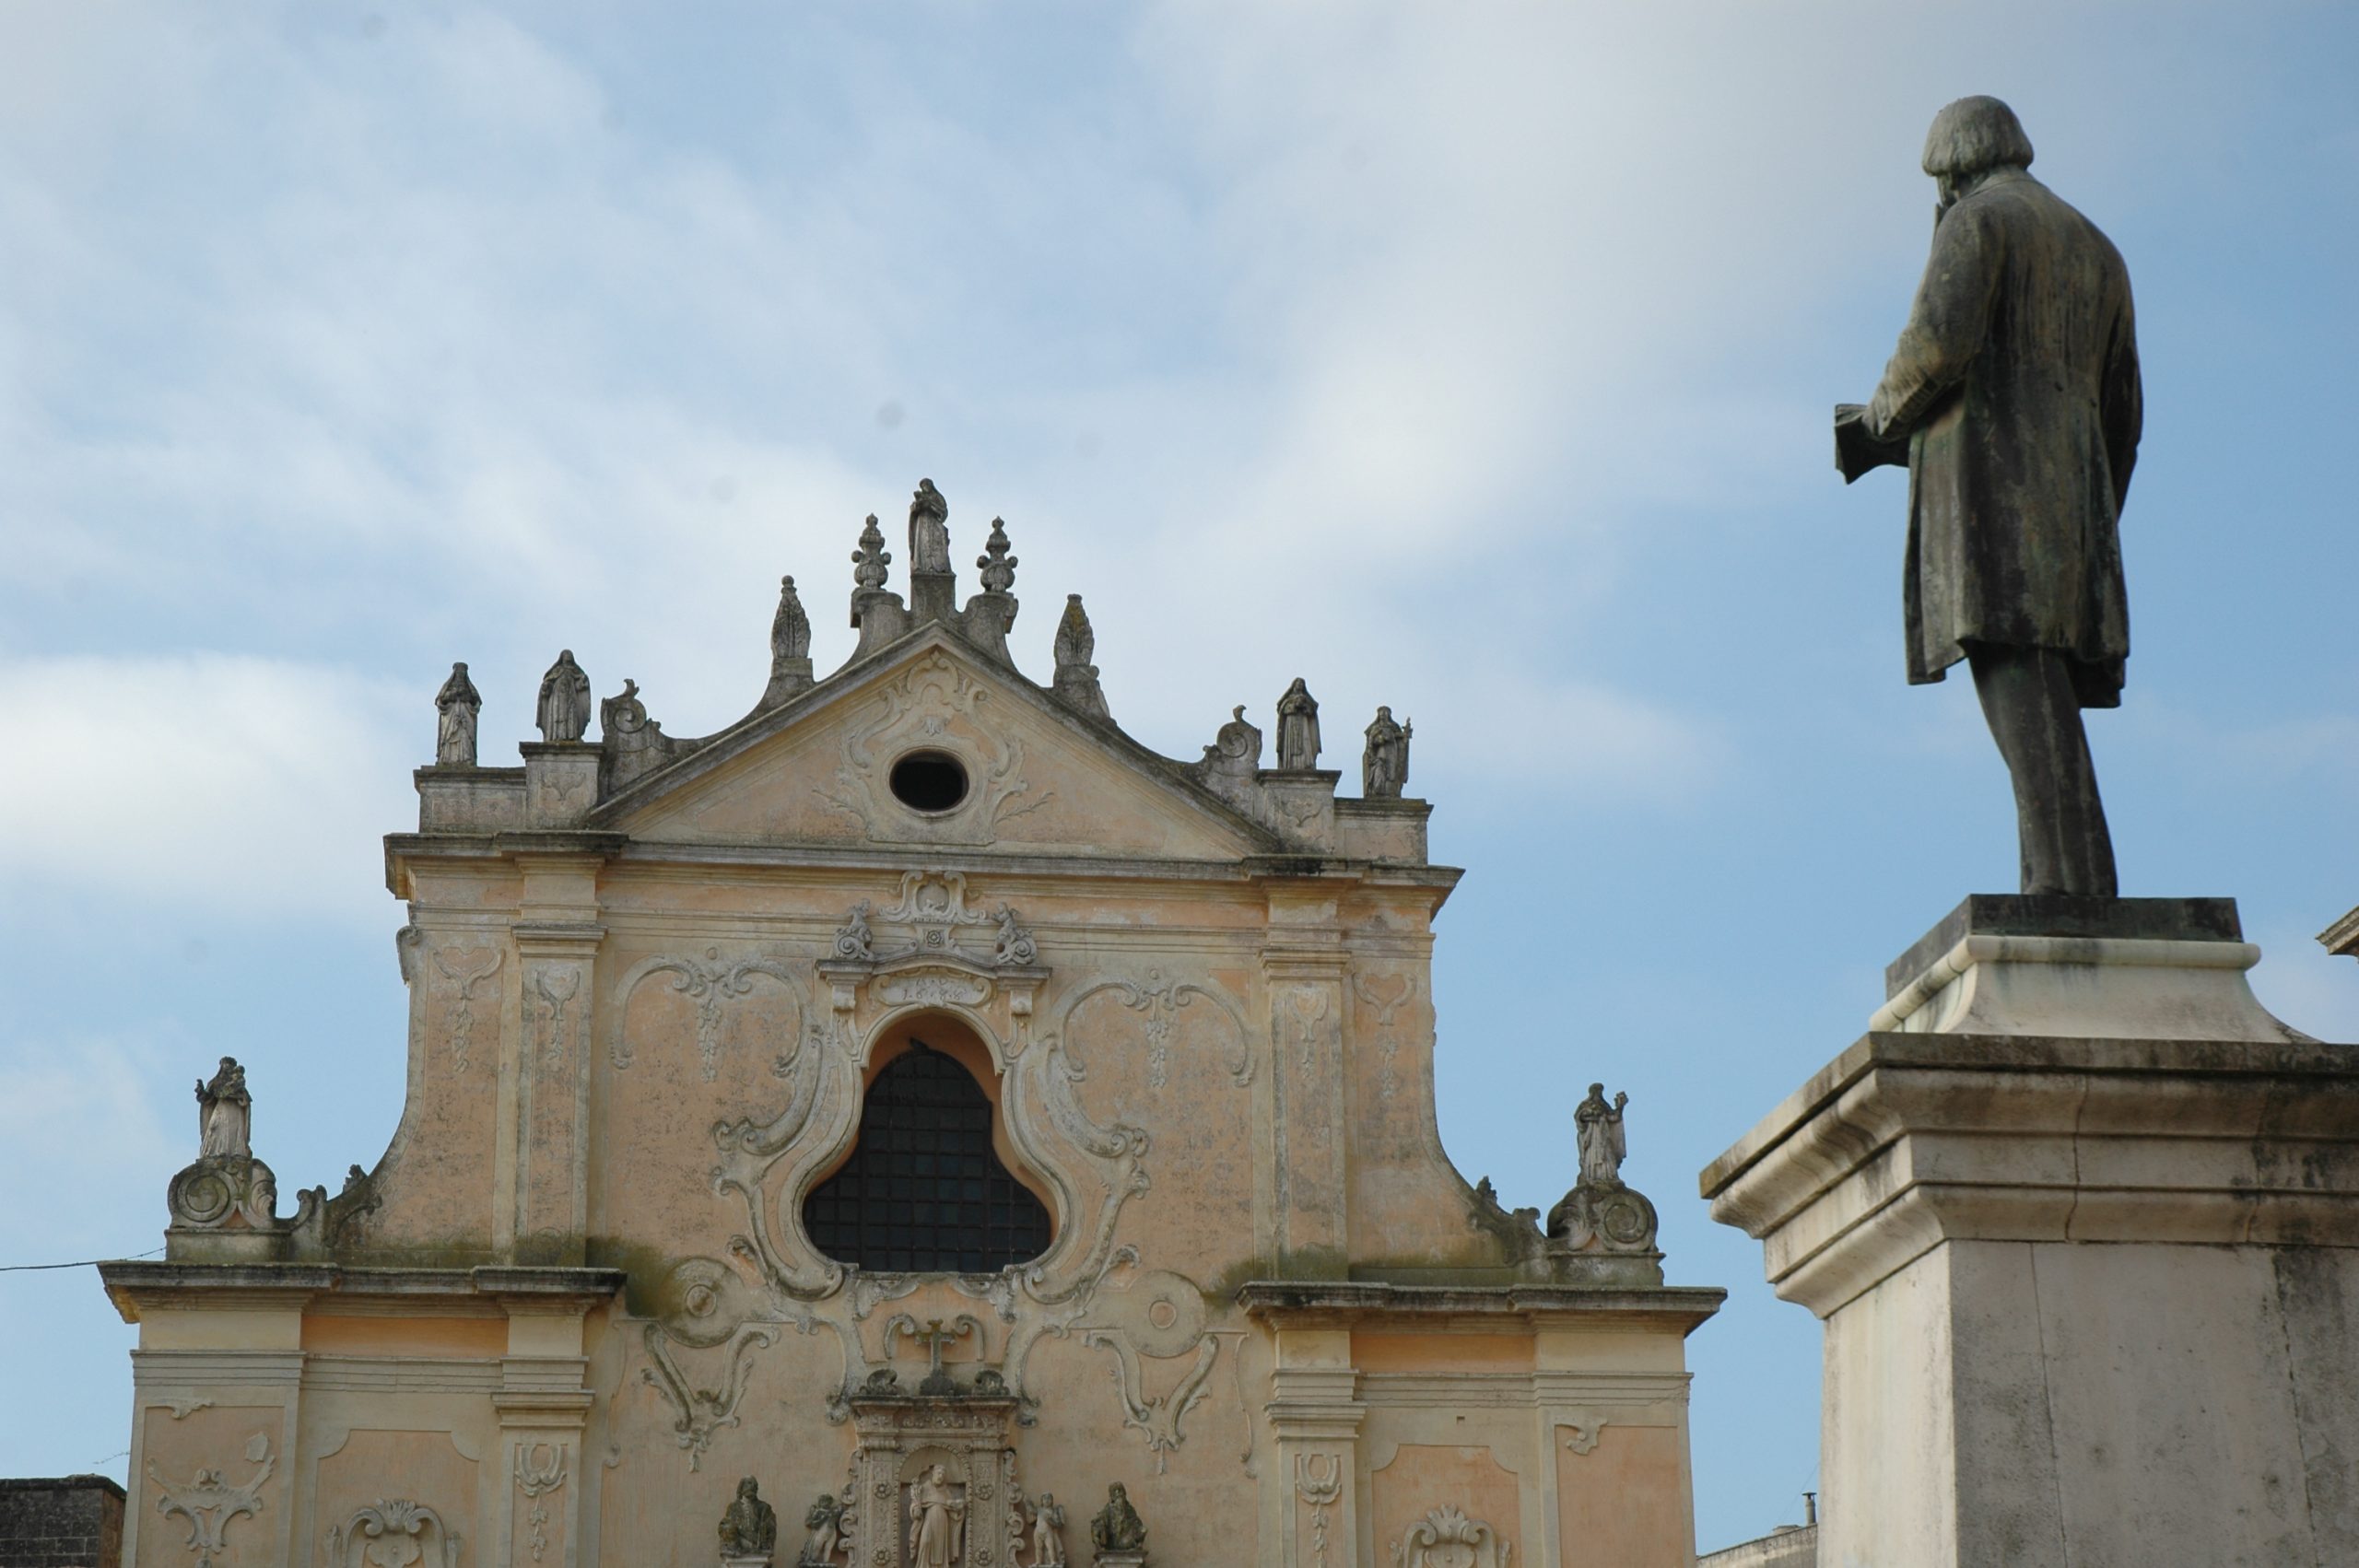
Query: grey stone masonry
{"points": [[60, 1522]]}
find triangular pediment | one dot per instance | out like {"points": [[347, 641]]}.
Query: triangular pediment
{"points": [[1039, 779]]}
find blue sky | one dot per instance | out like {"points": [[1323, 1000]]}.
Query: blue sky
{"points": [[1473, 359]]}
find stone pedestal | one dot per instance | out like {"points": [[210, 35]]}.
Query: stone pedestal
{"points": [[1119, 1559], [560, 781], [758, 1560], [2090, 1298]]}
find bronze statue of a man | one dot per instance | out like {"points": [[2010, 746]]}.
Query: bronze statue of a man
{"points": [[2014, 398]]}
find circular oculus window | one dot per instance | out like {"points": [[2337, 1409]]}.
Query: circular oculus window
{"points": [[929, 781]]}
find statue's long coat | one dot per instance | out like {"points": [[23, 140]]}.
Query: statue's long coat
{"points": [[2016, 381]]}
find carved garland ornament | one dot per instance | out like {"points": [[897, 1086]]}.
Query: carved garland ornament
{"points": [[392, 1533], [1319, 1481], [535, 1481], [209, 1503], [1447, 1538], [465, 975]]}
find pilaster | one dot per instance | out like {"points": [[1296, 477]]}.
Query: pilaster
{"points": [[1304, 967], [1315, 1416], [546, 1061]]}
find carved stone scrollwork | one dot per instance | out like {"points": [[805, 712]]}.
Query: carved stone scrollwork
{"points": [[934, 949], [225, 1204], [712, 983], [1447, 1538], [936, 702], [392, 1533], [465, 967], [209, 1503], [698, 1413]]}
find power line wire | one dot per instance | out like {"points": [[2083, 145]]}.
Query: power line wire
{"points": [[82, 1263]]}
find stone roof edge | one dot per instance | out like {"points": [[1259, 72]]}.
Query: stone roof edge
{"points": [[129, 1282], [762, 723], [1685, 1307]]}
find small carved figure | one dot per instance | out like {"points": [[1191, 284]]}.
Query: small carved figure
{"points": [[2014, 398], [1597, 1126], [1117, 1526], [825, 1542], [225, 1114], [1384, 765], [1015, 944], [1047, 1532], [937, 1512], [790, 628], [457, 703], [929, 530], [353, 1177], [1298, 728], [749, 1527], [563, 710], [868, 562], [997, 565]]}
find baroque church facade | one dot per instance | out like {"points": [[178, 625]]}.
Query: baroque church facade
{"points": [[998, 1143]]}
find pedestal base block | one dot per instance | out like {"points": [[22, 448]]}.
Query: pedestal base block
{"points": [[2087, 1300]]}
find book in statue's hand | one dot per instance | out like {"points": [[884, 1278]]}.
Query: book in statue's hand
{"points": [[1856, 450]]}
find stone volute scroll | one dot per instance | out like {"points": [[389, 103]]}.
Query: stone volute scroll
{"points": [[456, 707], [563, 711], [1384, 764], [1298, 728], [1118, 1535], [1235, 755], [1603, 1232], [1075, 679], [748, 1528]]}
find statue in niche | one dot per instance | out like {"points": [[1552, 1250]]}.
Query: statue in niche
{"points": [[1117, 1526], [937, 1514], [929, 530], [1384, 765], [457, 703], [1298, 728], [1047, 1532], [1597, 1128], [824, 1540], [563, 710], [2014, 400], [224, 1113], [749, 1527]]}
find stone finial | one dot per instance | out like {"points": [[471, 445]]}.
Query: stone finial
{"points": [[790, 647], [563, 713], [1298, 728], [457, 703], [870, 561], [824, 1541], [997, 565], [1075, 680], [1384, 764], [1117, 1528], [748, 1527], [929, 530]]}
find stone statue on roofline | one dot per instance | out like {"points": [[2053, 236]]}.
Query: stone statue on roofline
{"points": [[456, 706], [1298, 728], [929, 530], [224, 1113], [1603, 1232], [2014, 400], [1384, 764], [563, 713]]}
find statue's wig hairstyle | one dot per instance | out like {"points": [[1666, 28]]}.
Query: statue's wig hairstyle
{"points": [[1973, 134]]}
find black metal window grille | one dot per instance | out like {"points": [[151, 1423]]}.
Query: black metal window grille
{"points": [[924, 1190]]}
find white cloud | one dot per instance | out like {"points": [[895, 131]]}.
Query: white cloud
{"points": [[238, 783]]}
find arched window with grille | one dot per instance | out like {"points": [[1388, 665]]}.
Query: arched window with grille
{"points": [[924, 1190]]}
